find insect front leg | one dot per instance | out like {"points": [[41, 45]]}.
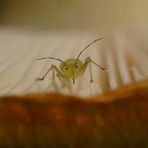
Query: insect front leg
{"points": [[91, 61], [53, 68], [43, 77], [90, 71], [87, 62]]}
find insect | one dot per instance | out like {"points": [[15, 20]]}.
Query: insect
{"points": [[71, 68]]}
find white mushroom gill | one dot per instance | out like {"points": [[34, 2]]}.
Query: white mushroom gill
{"points": [[124, 54]]}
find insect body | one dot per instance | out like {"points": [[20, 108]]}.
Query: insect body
{"points": [[71, 68]]}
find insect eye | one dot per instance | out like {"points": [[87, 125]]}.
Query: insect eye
{"points": [[76, 66], [66, 68]]}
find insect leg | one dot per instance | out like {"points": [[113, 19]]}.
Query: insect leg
{"points": [[87, 62], [42, 78], [64, 81], [59, 73], [90, 70], [53, 74], [53, 67], [90, 60]]}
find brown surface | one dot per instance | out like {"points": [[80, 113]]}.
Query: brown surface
{"points": [[53, 120]]}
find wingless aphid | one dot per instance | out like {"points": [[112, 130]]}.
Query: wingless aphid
{"points": [[71, 68]]}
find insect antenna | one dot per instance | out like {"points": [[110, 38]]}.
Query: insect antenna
{"points": [[53, 59], [87, 47]]}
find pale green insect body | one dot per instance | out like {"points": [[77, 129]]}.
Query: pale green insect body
{"points": [[72, 68]]}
